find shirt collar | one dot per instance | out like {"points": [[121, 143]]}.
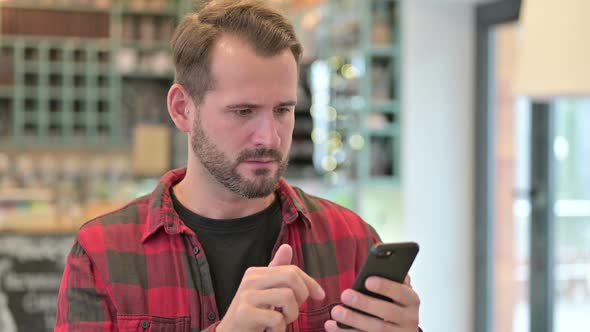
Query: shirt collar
{"points": [[161, 212]]}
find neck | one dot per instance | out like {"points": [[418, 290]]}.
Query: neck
{"points": [[202, 194]]}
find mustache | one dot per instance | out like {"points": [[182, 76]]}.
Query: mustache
{"points": [[260, 153]]}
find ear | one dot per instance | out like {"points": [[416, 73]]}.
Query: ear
{"points": [[180, 107]]}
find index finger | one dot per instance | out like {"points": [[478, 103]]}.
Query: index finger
{"points": [[408, 280], [315, 290], [292, 277], [399, 293]]}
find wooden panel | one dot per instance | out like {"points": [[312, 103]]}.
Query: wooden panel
{"points": [[151, 150], [33, 22]]}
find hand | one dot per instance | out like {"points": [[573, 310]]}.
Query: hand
{"points": [[269, 297], [401, 316]]}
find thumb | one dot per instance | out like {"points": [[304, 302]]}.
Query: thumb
{"points": [[283, 256], [408, 281]]}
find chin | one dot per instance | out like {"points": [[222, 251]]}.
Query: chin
{"points": [[260, 180]]}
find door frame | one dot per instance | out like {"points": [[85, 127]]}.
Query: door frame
{"points": [[487, 16], [541, 194]]}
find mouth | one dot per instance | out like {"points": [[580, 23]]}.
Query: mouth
{"points": [[260, 161]]}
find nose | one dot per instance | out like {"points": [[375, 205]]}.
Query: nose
{"points": [[266, 133]]}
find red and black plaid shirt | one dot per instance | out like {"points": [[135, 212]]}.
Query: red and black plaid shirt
{"points": [[142, 269]]}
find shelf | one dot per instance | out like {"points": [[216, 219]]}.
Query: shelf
{"points": [[390, 130], [385, 106], [25, 195], [55, 67], [99, 44], [148, 75], [362, 102], [15, 226], [73, 147], [36, 5], [384, 181], [385, 50], [72, 86], [345, 105], [166, 11], [82, 142], [56, 92], [6, 92], [376, 50], [349, 104], [345, 52], [146, 46]]}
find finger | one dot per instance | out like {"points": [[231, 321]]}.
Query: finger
{"points": [[264, 319], [360, 321], [289, 276], [400, 293], [391, 312], [315, 290], [283, 256], [332, 326], [283, 298], [408, 280]]}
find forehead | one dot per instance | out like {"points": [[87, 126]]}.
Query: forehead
{"points": [[235, 64]]}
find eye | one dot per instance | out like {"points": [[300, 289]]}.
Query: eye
{"points": [[283, 110], [243, 111]]}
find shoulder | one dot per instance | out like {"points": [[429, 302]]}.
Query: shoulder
{"points": [[333, 217], [313, 204], [129, 213], [126, 223]]}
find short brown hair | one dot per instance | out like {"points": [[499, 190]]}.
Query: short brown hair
{"points": [[265, 29]]}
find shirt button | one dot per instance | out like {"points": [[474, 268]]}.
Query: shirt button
{"points": [[196, 250], [145, 324], [211, 316]]}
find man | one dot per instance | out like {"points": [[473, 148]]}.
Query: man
{"points": [[227, 244]]}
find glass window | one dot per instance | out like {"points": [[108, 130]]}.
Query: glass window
{"points": [[572, 210], [512, 208]]}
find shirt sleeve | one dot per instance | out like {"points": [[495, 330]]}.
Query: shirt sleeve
{"points": [[83, 303]]}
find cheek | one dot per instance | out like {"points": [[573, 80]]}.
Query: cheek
{"points": [[286, 139], [217, 129], [287, 133], [230, 141]]}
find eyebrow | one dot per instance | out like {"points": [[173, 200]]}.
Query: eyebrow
{"points": [[250, 105]]}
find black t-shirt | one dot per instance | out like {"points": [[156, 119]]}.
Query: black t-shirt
{"points": [[233, 245]]}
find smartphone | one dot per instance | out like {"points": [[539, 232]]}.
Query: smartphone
{"points": [[387, 260]]}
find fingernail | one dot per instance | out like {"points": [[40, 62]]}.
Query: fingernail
{"points": [[337, 312], [321, 292], [348, 297]]}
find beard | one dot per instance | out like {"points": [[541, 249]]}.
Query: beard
{"points": [[225, 171]]}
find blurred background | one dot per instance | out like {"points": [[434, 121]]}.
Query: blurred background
{"points": [[463, 125]]}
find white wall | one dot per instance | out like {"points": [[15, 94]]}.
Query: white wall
{"points": [[438, 203]]}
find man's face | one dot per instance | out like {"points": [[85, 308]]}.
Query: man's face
{"points": [[243, 128]]}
